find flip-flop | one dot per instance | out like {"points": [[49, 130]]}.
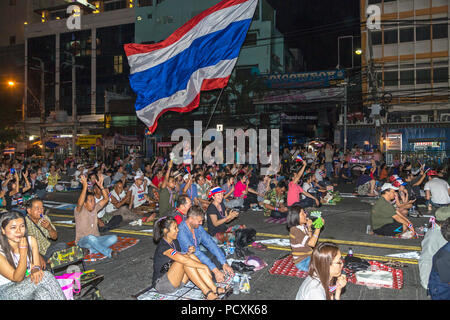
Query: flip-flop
{"points": [[259, 246]]}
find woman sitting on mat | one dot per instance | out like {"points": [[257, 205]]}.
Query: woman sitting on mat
{"points": [[325, 281], [21, 277], [219, 217], [172, 269], [301, 236]]}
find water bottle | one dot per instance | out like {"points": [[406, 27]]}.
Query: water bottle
{"points": [[425, 227], [368, 229], [236, 283], [245, 284], [225, 248], [350, 252], [231, 247]]}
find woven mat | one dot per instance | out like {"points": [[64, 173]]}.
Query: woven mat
{"points": [[122, 244], [286, 267], [188, 292], [277, 221]]}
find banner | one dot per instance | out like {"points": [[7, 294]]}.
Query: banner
{"points": [[126, 140], [88, 140], [303, 96], [394, 142], [304, 79]]}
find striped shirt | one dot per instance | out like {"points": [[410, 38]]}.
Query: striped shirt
{"points": [[299, 238]]}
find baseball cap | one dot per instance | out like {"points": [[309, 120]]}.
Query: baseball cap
{"points": [[214, 191], [442, 214], [398, 183], [139, 176], [388, 186], [80, 165], [186, 177], [394, 178], [432, 173]]}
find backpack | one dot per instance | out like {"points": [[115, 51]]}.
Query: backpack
{"points": [[244, 237]]}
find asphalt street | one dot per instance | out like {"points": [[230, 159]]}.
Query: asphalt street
{"points": [[345, 224]]}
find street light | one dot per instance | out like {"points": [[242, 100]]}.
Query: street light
{"points": [[358, 52], [11, 83]]}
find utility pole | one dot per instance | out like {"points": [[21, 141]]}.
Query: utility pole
{"points": [[42, 99], [74, 101], [345, 114]]}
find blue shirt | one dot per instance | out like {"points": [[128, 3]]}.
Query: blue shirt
{"points": [[186, 239], [191, 192]]}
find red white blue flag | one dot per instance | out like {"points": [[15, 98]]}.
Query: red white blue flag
{"points": [[200, 55]]}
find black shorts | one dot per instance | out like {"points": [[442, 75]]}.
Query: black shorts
{"points": [[390, 229]]}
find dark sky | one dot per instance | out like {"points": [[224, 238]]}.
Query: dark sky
{"points": [[326, 20]]}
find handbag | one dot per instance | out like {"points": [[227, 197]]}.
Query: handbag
{"points": [[354, 264], [66, 281]]}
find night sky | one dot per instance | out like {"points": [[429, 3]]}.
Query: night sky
{"points": [[334, 18]]}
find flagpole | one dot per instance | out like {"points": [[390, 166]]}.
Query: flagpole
{"points": [[207, 125]]}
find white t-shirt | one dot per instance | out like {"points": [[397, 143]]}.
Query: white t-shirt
{"points": [[439, 191], [102, 212], [306, 187], [311, 289], [110, 207], [138, 194], [318, 175]]}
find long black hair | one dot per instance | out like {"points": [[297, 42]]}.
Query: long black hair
{"points": [[160, 225], [4, 243], [293, 217]]}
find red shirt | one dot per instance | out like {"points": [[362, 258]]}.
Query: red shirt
{"points": [[157, 181]]}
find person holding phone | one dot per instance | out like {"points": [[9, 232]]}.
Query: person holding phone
{"points": [[21, 276], [219, 217]]}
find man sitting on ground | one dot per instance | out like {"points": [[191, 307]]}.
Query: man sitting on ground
{"points": [[117, 205], [140, 202], [437, 191], [439, 282], [431, 243], [387, 221], [274, 202], [41, 228], [180, 212], [86, 221], [191, 233]]}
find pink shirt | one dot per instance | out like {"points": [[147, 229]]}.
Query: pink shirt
{"points": [[238, 189], [293, 194]]}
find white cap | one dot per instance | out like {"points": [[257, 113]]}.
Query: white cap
{"points": [[388, 186], [138, 177], [186, 177], [79, 166]]}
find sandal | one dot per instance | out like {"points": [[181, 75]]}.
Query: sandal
{"points": [[224, 290], [208, 293], [259, 246]]}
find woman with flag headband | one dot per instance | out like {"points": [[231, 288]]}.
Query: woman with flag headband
{"points": [[202, 54], [219, 216]]}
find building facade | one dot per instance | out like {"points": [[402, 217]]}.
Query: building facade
{"points": [[409, 58]]}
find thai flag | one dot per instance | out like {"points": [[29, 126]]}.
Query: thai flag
{"points": [[200, 55], [299, 158]]}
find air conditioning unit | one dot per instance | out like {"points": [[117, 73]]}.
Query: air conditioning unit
{"points": [[419, 118], [445, 117]]}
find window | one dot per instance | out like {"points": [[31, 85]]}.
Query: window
{"points": [[407, 35], [145, 3], [118, 64], [390, 36], [376, 37], [12, 40], [407, 77], [440, 31], [423, 76], [440, 74], [251, 38], [391, 78], [423, 33]]}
